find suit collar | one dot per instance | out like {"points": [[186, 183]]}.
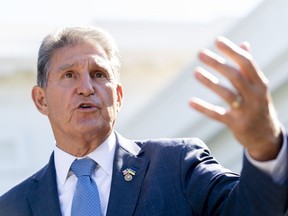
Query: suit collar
{"points": [[103, 155], [124, 194], [128, 145], [42, 192]]}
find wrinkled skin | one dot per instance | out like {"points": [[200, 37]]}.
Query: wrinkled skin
{"points": [[82, 98], [252, 121]]}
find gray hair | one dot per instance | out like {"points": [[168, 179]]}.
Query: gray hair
{"points": [[70, 36]]}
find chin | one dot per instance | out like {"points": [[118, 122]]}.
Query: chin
{"points": [[94, 129]]}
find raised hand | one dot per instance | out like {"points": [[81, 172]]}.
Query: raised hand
{"points": [[250, 115]]}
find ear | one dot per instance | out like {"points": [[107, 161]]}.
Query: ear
{"points": [[119, 96], [38, 96]]}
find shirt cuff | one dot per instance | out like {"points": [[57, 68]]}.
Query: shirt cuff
{"points": [[275, 168]]}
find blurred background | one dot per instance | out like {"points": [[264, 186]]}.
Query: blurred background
{"points": [[159, 41]]}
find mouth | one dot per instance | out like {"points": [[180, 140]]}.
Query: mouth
{"points": [[86, 106]]}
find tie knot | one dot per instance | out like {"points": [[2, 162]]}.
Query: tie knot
{"points": [[83, 167]]}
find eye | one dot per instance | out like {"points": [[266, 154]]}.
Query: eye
{"points": [[69, 74], [99, 75]]}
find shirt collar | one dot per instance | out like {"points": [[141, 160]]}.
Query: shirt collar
{"points": [[103, 156]]}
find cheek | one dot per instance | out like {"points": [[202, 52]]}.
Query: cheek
{"points": [[110, 100], [109, 95], [55, 110], [56, 104]]}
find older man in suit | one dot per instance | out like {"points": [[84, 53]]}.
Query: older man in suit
{"points": [[78, 89]]}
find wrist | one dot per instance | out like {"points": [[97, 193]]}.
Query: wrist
{"points": [[267, 151]]}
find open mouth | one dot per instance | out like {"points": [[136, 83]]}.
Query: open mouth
{"points": [[86, 106]]}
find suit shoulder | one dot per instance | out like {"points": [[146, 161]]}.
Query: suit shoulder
{"points": [[19, 191], [15, 199], [173, 147], [173, 143]]}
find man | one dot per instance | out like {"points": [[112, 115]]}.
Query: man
{"points": [[78, 89]]}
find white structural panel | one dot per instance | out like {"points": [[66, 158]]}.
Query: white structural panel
{"points": [[168, 114]]}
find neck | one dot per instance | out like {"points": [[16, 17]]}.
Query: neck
{"points": [[80, 147]]}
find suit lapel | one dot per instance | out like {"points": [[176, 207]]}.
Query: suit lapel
{"points": [[124, 194], [42, 193]]}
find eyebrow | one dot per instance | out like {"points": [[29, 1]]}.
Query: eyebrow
{"points": [[94, 63], [65, 67], [99, 64]]}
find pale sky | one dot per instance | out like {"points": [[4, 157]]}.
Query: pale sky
{"points": [[86, 11], [24, 23]]}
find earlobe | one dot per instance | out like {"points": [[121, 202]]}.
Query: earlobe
{"points": [[38, 96]]}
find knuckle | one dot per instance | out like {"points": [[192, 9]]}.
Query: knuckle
{"points": [[247, 61]]}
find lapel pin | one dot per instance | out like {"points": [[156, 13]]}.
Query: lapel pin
{"points": [[128, 174]]}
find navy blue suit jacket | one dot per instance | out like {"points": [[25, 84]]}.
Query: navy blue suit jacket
{"points": [[173, 177]]}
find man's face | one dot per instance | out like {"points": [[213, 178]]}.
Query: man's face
{"points": [[82, 97]]}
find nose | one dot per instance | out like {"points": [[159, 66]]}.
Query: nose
{"points": [[85, 86]]}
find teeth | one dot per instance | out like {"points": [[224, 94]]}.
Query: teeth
{"points": [[85, 106]]}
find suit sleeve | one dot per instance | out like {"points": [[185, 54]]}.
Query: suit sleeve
{"points": [[213, 190], [276, 168]]}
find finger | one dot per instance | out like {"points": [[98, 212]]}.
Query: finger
{"points": [[213, 84], [241, 84], [242, 58], [245, 46], [215, 112]]}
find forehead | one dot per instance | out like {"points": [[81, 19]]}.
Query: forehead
{"points": [[78, 56]]}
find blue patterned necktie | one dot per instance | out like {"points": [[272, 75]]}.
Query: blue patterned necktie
{"points": [[86, 199]]}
